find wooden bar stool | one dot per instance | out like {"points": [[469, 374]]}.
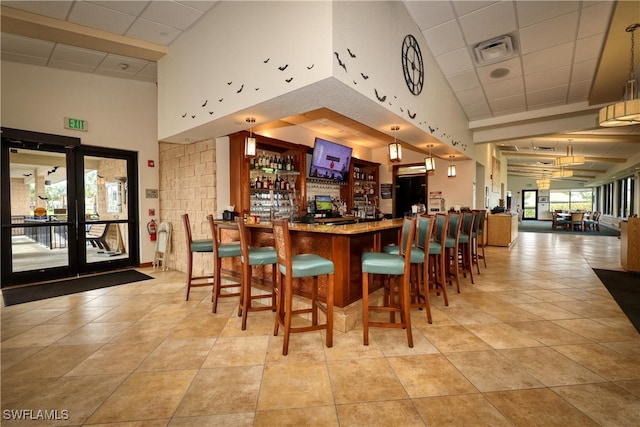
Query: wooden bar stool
{"points": [[466, 242], [395, 265], [221, 250], [479, 237], [452, 243], [197, 246], [438, 255], [249, 258], [300, 266]]}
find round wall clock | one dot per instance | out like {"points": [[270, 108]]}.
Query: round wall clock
{"points": [[412, 64]]}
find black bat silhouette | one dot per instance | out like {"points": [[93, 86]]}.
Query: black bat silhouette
{"points": [[380, 98], [266, 60], [193, 116], [340, 63], [284, 67], [364, 76], [288, 80], [220, 100], [355, 82], [351, 54], [310, 66], [27, 174], [229, 83], [43, 198], [432, 130], [210, 112], [240, 90], [410, 115], [205, 102], [184, 115]]}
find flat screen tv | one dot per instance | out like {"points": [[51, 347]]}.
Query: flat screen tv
{"points": [[330, 160], [323, 204]]}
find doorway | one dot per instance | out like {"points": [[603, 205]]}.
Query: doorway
{"points": [[411, 189], [529, 204], [67, 209]]}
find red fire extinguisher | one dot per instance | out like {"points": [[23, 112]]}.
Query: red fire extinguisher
{"points": [[152, 229]]}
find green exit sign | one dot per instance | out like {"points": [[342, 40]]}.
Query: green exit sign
{"points": [[75, 124]]}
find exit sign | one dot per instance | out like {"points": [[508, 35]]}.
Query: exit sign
{"points": [[75, 124]]}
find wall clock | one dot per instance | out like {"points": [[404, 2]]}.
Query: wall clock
{"points": [[412, 65]]}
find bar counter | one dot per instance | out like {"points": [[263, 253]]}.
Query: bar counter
{"points": [[343, 244]]}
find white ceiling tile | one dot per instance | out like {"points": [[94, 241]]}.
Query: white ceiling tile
{"points": [[532, 12], [513, 65], [26, 46], [77, 55], [595, 19], [584, 70], [509, 105], [95, 16], [579, 91], [546, 105], [455, 62], [72, 66], [172, 14], [201, 5], [548, 33], [24, 59], [548, 79], [471, 96], [464, 81], [464, 7], [589, 47], [504, 88], [547, 96], [152, 32], [53, 9], [490, 22], [477, 111], [546, 59], [429, 14], [126, 74], [444, 38], [134, 7], [115, 63]]}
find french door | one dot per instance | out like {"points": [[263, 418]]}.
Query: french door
{"points": [[67, 209], [530, 204]]}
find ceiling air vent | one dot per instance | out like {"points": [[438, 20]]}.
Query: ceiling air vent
{"points": [[494, 50], [507, 148], [544, 148]]}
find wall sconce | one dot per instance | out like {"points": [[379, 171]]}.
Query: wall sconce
{"points": [[451, 170], [430, 162], [250, 141], [395, 149]]}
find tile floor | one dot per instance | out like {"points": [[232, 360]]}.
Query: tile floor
{"points": [[536, 341]]}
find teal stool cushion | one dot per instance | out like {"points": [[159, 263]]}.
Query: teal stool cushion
{"points": [[382, 263], [228, 250], [309, 265], [450, 242], [434, 248], [262, 256], [417, 254], [464, 238], [202, 246]]}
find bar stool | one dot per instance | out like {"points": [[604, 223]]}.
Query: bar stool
{"points": [[419, 263], [250, 257], [297, 267], [479, 237], [221, 250], [197, 246], [438, 255], [466, 242], [396, 265], [452, 243]]}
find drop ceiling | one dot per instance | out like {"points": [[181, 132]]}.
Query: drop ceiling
{"points": [[547, 54]]}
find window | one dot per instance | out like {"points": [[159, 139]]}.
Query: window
{"points": [[607, 199], [625, 197], [571, 200]]}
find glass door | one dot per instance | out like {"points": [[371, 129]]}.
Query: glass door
{"points": [[529, 204], [66, 209]]}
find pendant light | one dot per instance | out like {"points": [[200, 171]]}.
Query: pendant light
{"points": [[569, 159], [250, 142], [562, 173], [451, 170], [429, 162], [395, 149], [626, 112]]}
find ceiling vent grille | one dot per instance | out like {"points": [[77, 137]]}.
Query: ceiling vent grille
{"points": [[507, 148], [544, 148], [494, 50]]}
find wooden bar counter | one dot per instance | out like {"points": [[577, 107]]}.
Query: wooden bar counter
{"points": [[630, 244], [342, 244]]}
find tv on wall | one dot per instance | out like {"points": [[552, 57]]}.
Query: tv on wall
{"points": [[330, 160]]}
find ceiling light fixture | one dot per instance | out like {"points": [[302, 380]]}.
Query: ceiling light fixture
{"points": [[395, 149], [562, 174], [626, 112], [569, 159], [451, 169], [250, 142], [430, 162]]}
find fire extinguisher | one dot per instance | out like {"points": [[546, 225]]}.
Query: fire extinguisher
{"points": [[152, 228]]}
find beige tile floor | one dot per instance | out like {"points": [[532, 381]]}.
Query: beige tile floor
{"points": [[536, 341]]}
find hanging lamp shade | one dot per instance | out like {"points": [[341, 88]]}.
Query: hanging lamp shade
{"points": [[250, 141], [569, 159], [451, 169], [395, 149], [562, 174], [627, 111], [430, 162]]}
